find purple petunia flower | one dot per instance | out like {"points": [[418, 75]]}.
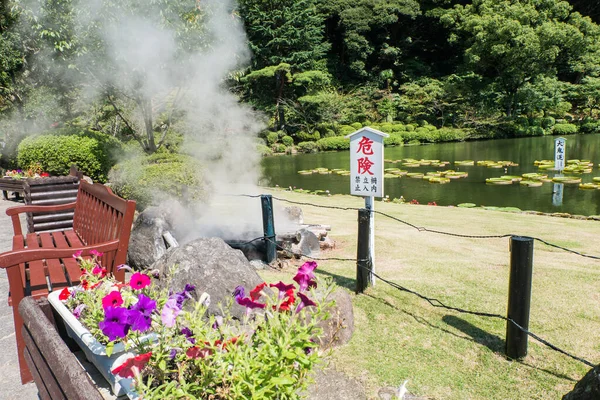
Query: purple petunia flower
{"points": [[249, 303], [145, 305], [170, 312], [172, 354], [305, 276], [304, 302], [138, 321], [77, 311], [115, 323], [239, 293], [282, 287], [188, 334]]}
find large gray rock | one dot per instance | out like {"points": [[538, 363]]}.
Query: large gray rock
{"points": [[146, 243], [213, 267], [588, 388], [338, 329], [330, 384]]}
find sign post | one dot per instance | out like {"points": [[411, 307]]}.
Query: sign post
{"points": [[559, 165], [366, 174]]}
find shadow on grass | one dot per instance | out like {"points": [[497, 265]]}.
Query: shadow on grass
{"points": [[339, 280], [493, 342], [474, 334]]}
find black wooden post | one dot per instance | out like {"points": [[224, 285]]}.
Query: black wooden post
{"points": [[363, 256], [268, 227], [519, 295]]}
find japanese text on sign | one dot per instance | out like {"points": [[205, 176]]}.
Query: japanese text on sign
{"points": [[559, 154], [366, 163]]}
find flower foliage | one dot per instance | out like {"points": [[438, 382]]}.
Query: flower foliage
{"points": [[267, 355]]}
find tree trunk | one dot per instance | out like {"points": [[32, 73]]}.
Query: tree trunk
{"points": [[146, 107], [280, 111]]}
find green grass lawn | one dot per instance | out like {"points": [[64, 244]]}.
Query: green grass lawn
{"points": [[446, 354]]}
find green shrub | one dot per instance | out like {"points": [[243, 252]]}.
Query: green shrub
{"points": [[522, 121], [548, 122], [307, 147], [303, 136], [535, 130], [387, 128], [590, 127], [151, 179], [287, 140], [410, 128], [395, 139], [56, 154], [398, 128], [328, 133], [272, 138], [535, 122], [356, 125], [346, 130], [279, 148], [281, 134], [333, 143], [451, 134], [564, 129], [424, 135], [431, 128], [263, 150]]}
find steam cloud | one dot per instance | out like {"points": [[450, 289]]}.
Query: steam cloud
{"points": [[144, 56]]}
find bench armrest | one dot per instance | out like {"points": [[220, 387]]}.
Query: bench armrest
{"points": [[13, 213], [16, 257]]}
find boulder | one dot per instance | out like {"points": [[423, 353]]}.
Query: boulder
{"points": [[588, 388], [334, 385], [213, 267], [338, 329], [294, 214], [146, 243]]}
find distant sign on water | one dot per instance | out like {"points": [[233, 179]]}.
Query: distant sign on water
{"points": [[366, 162], [559, 153]]}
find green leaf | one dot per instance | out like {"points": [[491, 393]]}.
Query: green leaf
{"points": [[109, 348], [282, 380]]}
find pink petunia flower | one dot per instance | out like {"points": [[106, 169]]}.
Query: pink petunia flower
{"points": [[113, 299], [96, 253], [139, 281]]}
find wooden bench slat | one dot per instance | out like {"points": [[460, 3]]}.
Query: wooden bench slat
{"points": [[41, 387], [60, 372], [19, 244], [56, 274], [72, 268], [37, 274], [38, 364]]}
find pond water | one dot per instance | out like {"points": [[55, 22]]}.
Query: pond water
{"points": [[283, 171]]}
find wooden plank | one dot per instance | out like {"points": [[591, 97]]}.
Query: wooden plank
{"points": [[41, 367], [37, 270], [37, 379], [19, 244], [56, 273], [72, 269], [73, 380]]}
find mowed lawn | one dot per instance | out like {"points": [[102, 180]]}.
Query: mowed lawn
{"points": [[445, 354]]}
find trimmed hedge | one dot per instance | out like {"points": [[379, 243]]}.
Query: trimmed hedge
{"points": [[333, 143], [92, 152], [307, 147], [565, 129], [151, 179]]}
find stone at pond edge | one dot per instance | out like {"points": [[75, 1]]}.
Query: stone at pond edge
{"points": [[333, 385], [338, 329], [588, 388], [213, 267]]}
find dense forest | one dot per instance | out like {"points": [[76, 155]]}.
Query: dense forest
{"points": [[424, 70]]}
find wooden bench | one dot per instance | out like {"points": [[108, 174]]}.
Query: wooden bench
{"points": [[49, 192], [56, 371], [42, 262]]}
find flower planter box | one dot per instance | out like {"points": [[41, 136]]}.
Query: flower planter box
{"points": [[8, 184], [94, 351]]}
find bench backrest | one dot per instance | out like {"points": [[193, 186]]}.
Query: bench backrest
{"points": [[56, 371], [50, 191], [102, 216]]}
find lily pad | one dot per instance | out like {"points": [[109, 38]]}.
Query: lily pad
{"points": [[513, 178], [305, 172], [464, 163], [466, 205], [566, 179], [589, 186], [415, 175], [498, 181], [596, 179], [439, 180], [531, 183]]}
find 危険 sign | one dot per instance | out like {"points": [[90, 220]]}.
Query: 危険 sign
{"points": [[366, 162], [559, 154]]}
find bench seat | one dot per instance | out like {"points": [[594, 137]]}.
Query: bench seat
{"points": [[43, 262]]}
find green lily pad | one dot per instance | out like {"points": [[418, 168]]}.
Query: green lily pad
{"points": [[466, 205], [531, 183]]}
